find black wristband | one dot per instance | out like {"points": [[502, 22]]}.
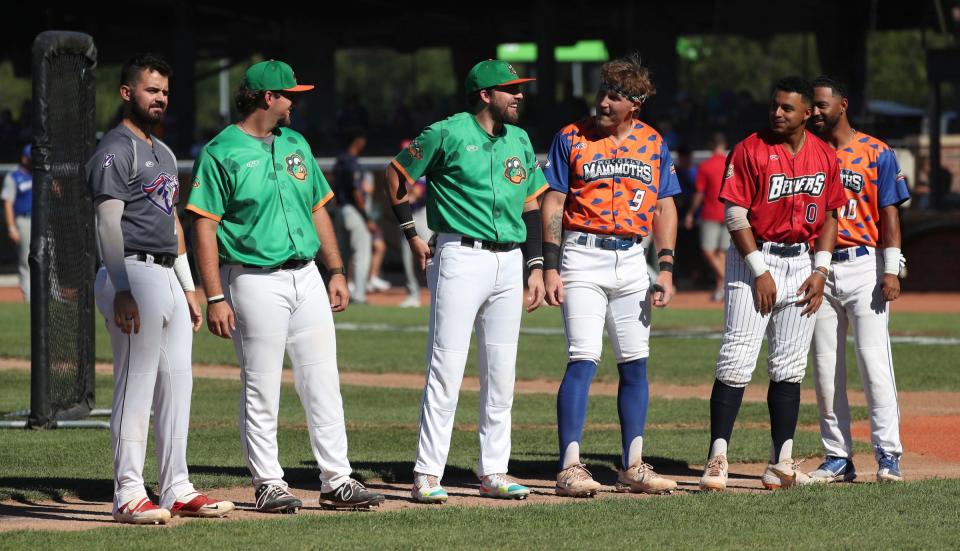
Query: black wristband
{"points": [[533, 247], [404, 215], [666, 267], [216, 300], [665, 252], [551, 256]]}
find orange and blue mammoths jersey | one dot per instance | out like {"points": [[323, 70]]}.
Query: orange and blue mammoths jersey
{"points": [[871, 180], [612, 188]]}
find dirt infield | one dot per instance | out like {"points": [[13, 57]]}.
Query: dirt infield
{"points": [[926, 418], [78, 514]]}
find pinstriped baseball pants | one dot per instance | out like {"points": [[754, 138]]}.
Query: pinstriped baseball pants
{"points": [[788, 333]]}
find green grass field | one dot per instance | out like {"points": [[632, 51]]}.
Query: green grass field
{"points": [[382, 432]]}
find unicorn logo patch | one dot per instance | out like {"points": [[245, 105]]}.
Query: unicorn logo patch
{"points": [[163, 192]]}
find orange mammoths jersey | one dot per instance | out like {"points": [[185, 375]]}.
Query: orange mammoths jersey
{"points": [[612, 188]]}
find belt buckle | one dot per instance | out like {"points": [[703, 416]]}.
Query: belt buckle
{"points": [[608, 244]]}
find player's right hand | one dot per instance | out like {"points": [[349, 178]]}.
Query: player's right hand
{"points": [[421, 252], [764, 293], [220, 319], [126, 314], [554, 287]]}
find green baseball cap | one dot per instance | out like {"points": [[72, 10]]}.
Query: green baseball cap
{"points": [[273, 75], [490, 73]]}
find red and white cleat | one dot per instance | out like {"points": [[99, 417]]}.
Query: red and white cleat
{"points": [[201, 506], [141, 511]]}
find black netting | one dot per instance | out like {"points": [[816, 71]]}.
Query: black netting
{"points": [[62, 255]]}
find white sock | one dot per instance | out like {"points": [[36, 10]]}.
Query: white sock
{"points": [[719, 447], [571, 456], [634, 452]]}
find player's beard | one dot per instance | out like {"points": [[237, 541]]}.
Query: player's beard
{"points": [[505, 113], [827, 126], [146, 117]]}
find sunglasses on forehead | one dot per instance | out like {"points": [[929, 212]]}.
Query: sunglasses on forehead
{"points": [[607, 87]]}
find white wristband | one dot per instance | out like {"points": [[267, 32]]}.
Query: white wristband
{"points": [[757, 264], [891, 260], [181, 267], [822, 259]]}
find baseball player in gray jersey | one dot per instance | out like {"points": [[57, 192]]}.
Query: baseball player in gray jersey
{"points": [[146, 295]]}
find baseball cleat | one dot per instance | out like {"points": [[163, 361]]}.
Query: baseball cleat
{"points": [[274, 498], [427, 489], [889, 467], [641, 479], [201, 506], [141, 511], [784, 474], [715, 474], [501, 487], [576, 481], [350, 495], [833, 469]]}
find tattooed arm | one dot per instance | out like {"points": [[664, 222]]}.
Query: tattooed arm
{"points": [[552, 211]]}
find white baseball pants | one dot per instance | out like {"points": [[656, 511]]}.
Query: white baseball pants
{"points": [[151, 368], [788, 333], [854, 299], [277, 311], [470, 288], [604, 287]]}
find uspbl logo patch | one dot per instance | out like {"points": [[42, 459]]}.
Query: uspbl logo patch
{"points": [[296, 167], [513, 170], [163, 192]]}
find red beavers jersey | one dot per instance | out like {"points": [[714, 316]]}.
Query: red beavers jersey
{"points": [[788, 197], [871, 180], [611, 188]]}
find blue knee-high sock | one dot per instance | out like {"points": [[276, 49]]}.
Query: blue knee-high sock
{"points": [[633, 396], [572, 402]]}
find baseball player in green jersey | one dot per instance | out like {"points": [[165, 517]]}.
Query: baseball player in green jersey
{"points": [[483, 182], [258, 196]]}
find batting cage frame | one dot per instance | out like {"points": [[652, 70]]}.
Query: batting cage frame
{"points": [[63, 248]]}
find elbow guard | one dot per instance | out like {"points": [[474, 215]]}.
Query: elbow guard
{"points": [[735, 217], [533, 247]]}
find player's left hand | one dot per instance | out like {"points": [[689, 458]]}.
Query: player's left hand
{"points": [[196, 317], [662, 290], [890, 287], [339, 293], [812, 291], [535, 290]]}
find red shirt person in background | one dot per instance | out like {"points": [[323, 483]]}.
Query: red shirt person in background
{"points": [[714, 237]]}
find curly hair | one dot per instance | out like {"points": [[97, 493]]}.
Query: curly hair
{"points": [[246, 100], [629, 75]]}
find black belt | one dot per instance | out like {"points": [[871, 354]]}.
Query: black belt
{"points": [[291, 264], [488, 245], [611, 243], [847, 254], [786, 251], [160, 259]]}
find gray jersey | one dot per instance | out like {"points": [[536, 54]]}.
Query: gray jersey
{"points": [[143, 177]]}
